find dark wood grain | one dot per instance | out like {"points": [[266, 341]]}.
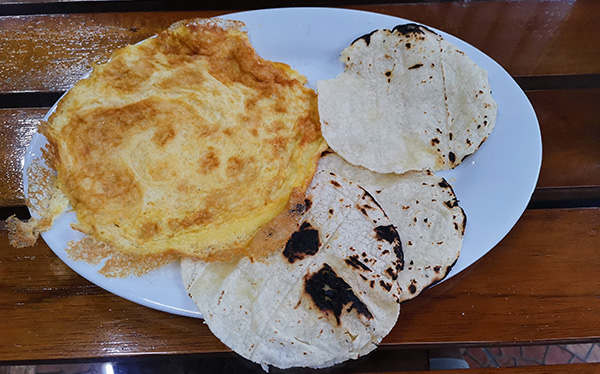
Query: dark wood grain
{"points": [[570, 125], [52, 52], [538, 285], [528, 38], [16, 130]]}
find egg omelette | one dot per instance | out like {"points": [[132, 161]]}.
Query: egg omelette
{"points": [[188, 142]]}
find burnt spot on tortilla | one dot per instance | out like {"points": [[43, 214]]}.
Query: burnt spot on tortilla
{"points": [[388, 73], [415, 66], [335, 183], [302, 207], [450, 136], [389, 234], [456, 226], [440, 278], [451, 203], [412, 289], [444, 184], [410, 28], [368, 197], [331, 211], [366, 38], [386, 286], [332, 294], [304, 242], [355, 262], [451, 157], [364, 208], [407, 45], [437, 269], [378, 191], [392, 273], [435, 141]]}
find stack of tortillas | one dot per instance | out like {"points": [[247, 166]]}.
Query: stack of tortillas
{"points": [[376, 226]]}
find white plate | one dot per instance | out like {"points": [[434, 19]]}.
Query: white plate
{"points": [[493, 186]]}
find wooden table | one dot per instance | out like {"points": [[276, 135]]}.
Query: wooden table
{"points": [[540, 285]]}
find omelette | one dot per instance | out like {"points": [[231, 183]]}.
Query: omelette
{"points": [[187, 143]]}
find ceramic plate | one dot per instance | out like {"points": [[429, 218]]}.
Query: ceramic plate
{"points": [[493, 186]]}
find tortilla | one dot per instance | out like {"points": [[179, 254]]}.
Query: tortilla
{"points": [[425, 212], [407, 100], [328, 295]]}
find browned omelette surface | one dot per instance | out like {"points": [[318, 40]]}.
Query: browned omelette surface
{"points": [[187, 142]]}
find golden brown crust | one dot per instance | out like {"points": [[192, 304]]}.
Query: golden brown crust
{"points": [[21, 233], [117, 264]]}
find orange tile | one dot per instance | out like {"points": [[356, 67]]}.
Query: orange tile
{"points": [[495, 351], [557, 355], [579, 350], [522, 361], [506, 362], [511, 351], [480, 356], [594, 355], [473, 364], [536, 352]]}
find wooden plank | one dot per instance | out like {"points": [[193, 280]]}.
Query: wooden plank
{"points": [[568, 121], [570, 125], [52, 52], [16, 130], [539, 285], [528, 38]]}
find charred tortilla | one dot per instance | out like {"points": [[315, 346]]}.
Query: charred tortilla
{"points": [[407, 100], [425, 212], [327, 295]]}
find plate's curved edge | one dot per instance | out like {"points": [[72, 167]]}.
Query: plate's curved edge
{"points": [[186, 311]]}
